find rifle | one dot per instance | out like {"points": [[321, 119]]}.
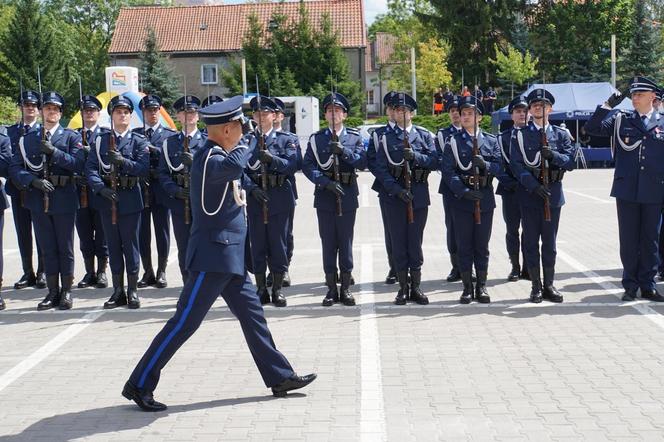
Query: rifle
{"points": [[185, 148], [45, 160], [477, 213], [113, 174], [84, 187], [410, 216], [545, 163], [146, 181], [261, 144], [335, 157], [22, 134]]}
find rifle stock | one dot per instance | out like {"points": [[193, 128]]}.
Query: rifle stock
{"points": [[407, 178], [84, 188], [477, 211], [545, 174], [45, 160], [335, 158]]}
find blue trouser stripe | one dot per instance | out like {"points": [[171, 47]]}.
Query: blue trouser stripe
{"points": [[177, 328]]}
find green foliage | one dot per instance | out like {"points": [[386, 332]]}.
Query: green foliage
{"points": [[643, 55], [514, 66], [9, 113], [431, 68], [435, 122], [350, 122], [157, 76]]}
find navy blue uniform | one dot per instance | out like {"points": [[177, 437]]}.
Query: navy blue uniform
{"points": [[441, 138], [336, 232], [216, 266], [638, 187], [122, 238], [5, 159], [528, 170], [171, 179], [55, 228], [290, 239], [406, 238]]}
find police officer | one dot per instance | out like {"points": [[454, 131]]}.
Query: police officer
{"points": [[174, 169], [507, 187], [45, 166], [120, 156], [528, 156], [269, 231], [406, 147], [442, 136], [637, 183], [337, 149], [211, 99], [29, 103], [374, 144], [468, 176], [216, 264], [88, 219], [153, 203], [5, 160]]}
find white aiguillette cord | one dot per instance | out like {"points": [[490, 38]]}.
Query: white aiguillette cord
{"points": [[239, 194]]}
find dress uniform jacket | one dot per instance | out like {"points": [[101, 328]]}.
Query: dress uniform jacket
{"points": [[507, 182], [155, 141], [171, 168]]}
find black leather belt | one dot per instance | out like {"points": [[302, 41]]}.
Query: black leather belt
{"points": [[124, 182], [61, 180], [484, 181], [345, 178], [418, 175], [555, 175], [273, 180], [179, 179]]}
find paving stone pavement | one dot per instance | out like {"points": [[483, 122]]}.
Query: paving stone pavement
{"points": [[589, 369]]}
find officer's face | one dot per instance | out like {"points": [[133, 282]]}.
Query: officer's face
{"points": [[642, 101], [30, 111], [519, 116], [226, 135], [151, 116], [121, 118], [278, 118], [390, 113], [468, 118], [265, 119], [190, 118], [52, 113], [403, 115], [538, 108], [455, 116], [90, 116], [336, 114]]}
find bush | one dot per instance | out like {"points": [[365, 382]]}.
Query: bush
{"points": [[435, 122], [350, 122]]}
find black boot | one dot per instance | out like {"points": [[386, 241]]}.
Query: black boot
{"points": [[549, 292], [454, 275], [391, 277], [41, 282], [346, 296], [536, 285], [148, 278], [27, 280], [481, 294], [468, 293], [160, 281], [132, 291], [102, 282], [268, 281], [416, 293], [402, 295], [90, 277], [261, 289], [278, 298], [52, 299], [66, 301], [332, 295], [119, 296], [516, 269], [525, 275], [287, 281]]}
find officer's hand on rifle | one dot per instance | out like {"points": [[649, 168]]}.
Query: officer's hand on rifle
{"points": [[182, 193], [47, 147], [408, 154], [187, 158], [109, 194], [260, 195], [116, 157], [335, 188], [473, 195], [336, 148], [154, 174], [43, 185], [479, 162], [542, 192], [405, 196], [547, 153], [152, 148], [615, 99], [265, 156], [86, 149]]}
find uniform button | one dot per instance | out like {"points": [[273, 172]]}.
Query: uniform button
{"points": [[643, 158], [642, 167]]}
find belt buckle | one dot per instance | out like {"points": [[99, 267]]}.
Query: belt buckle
{"points": [[471, 180]]}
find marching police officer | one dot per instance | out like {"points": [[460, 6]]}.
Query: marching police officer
{"points": [[270, 204], [174, 169], [330, 162], [5, 160], [637, 182], [538, 146], [406, 150], [507, 187], [216, 264], [29, 103], [114, 169], [45, 166], [88, 219], [153, 203], [442, 136], [468, 175]]}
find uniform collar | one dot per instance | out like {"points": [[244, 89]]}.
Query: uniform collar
{"points": [[538, 127], [340, 132], [123, 134], [156, 127], [408, 129], [52, 131], [190, 134], [93, 128], [31, 124], [648, 115], [267, 135]]}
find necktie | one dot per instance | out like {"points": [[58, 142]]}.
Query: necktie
{"points": [[88, 135], [118, 139], [644, 119], [48, 135], [149, 133], [26, 128]]}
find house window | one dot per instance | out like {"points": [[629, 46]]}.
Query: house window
{"points": [[370, 97], [209, 74]]}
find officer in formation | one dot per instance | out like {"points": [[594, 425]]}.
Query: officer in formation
{"points": [[216, 264], [332, 157], [29, 103], [274, 159], [114, 170], [5, 160], [153, 203], [404, 158], [88, 219], [45, 167], [638, 188], [470, 161], [177, 153], [539, 159], [507, 188]]}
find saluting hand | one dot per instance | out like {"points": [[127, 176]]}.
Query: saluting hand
{"points": [[43, 185], [615, 99], [47, 147], [116, 157]]}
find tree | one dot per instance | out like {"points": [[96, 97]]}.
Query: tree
{"points": [[431, 69], [514, 67], [643, 55], [156, 74]]}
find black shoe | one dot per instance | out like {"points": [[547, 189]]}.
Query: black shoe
{"points": [[261, 289], [287, 281], [652, 295], [66, 301], [345, 296], [391, 277], [552, 294], [2, 303], [132, 293], [468, 289], [102, 282], [268, 281], [292, 383], [402, 294], [416, 293], [332, 295], [516, 269], [160, 281], [52, 299], [481, 293], [278, 299], [143, 398], [40, 282], [629, 295], [27, 280], [660, 275], [147, 280], [454, 275], [119, 296], [90, 277]]}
